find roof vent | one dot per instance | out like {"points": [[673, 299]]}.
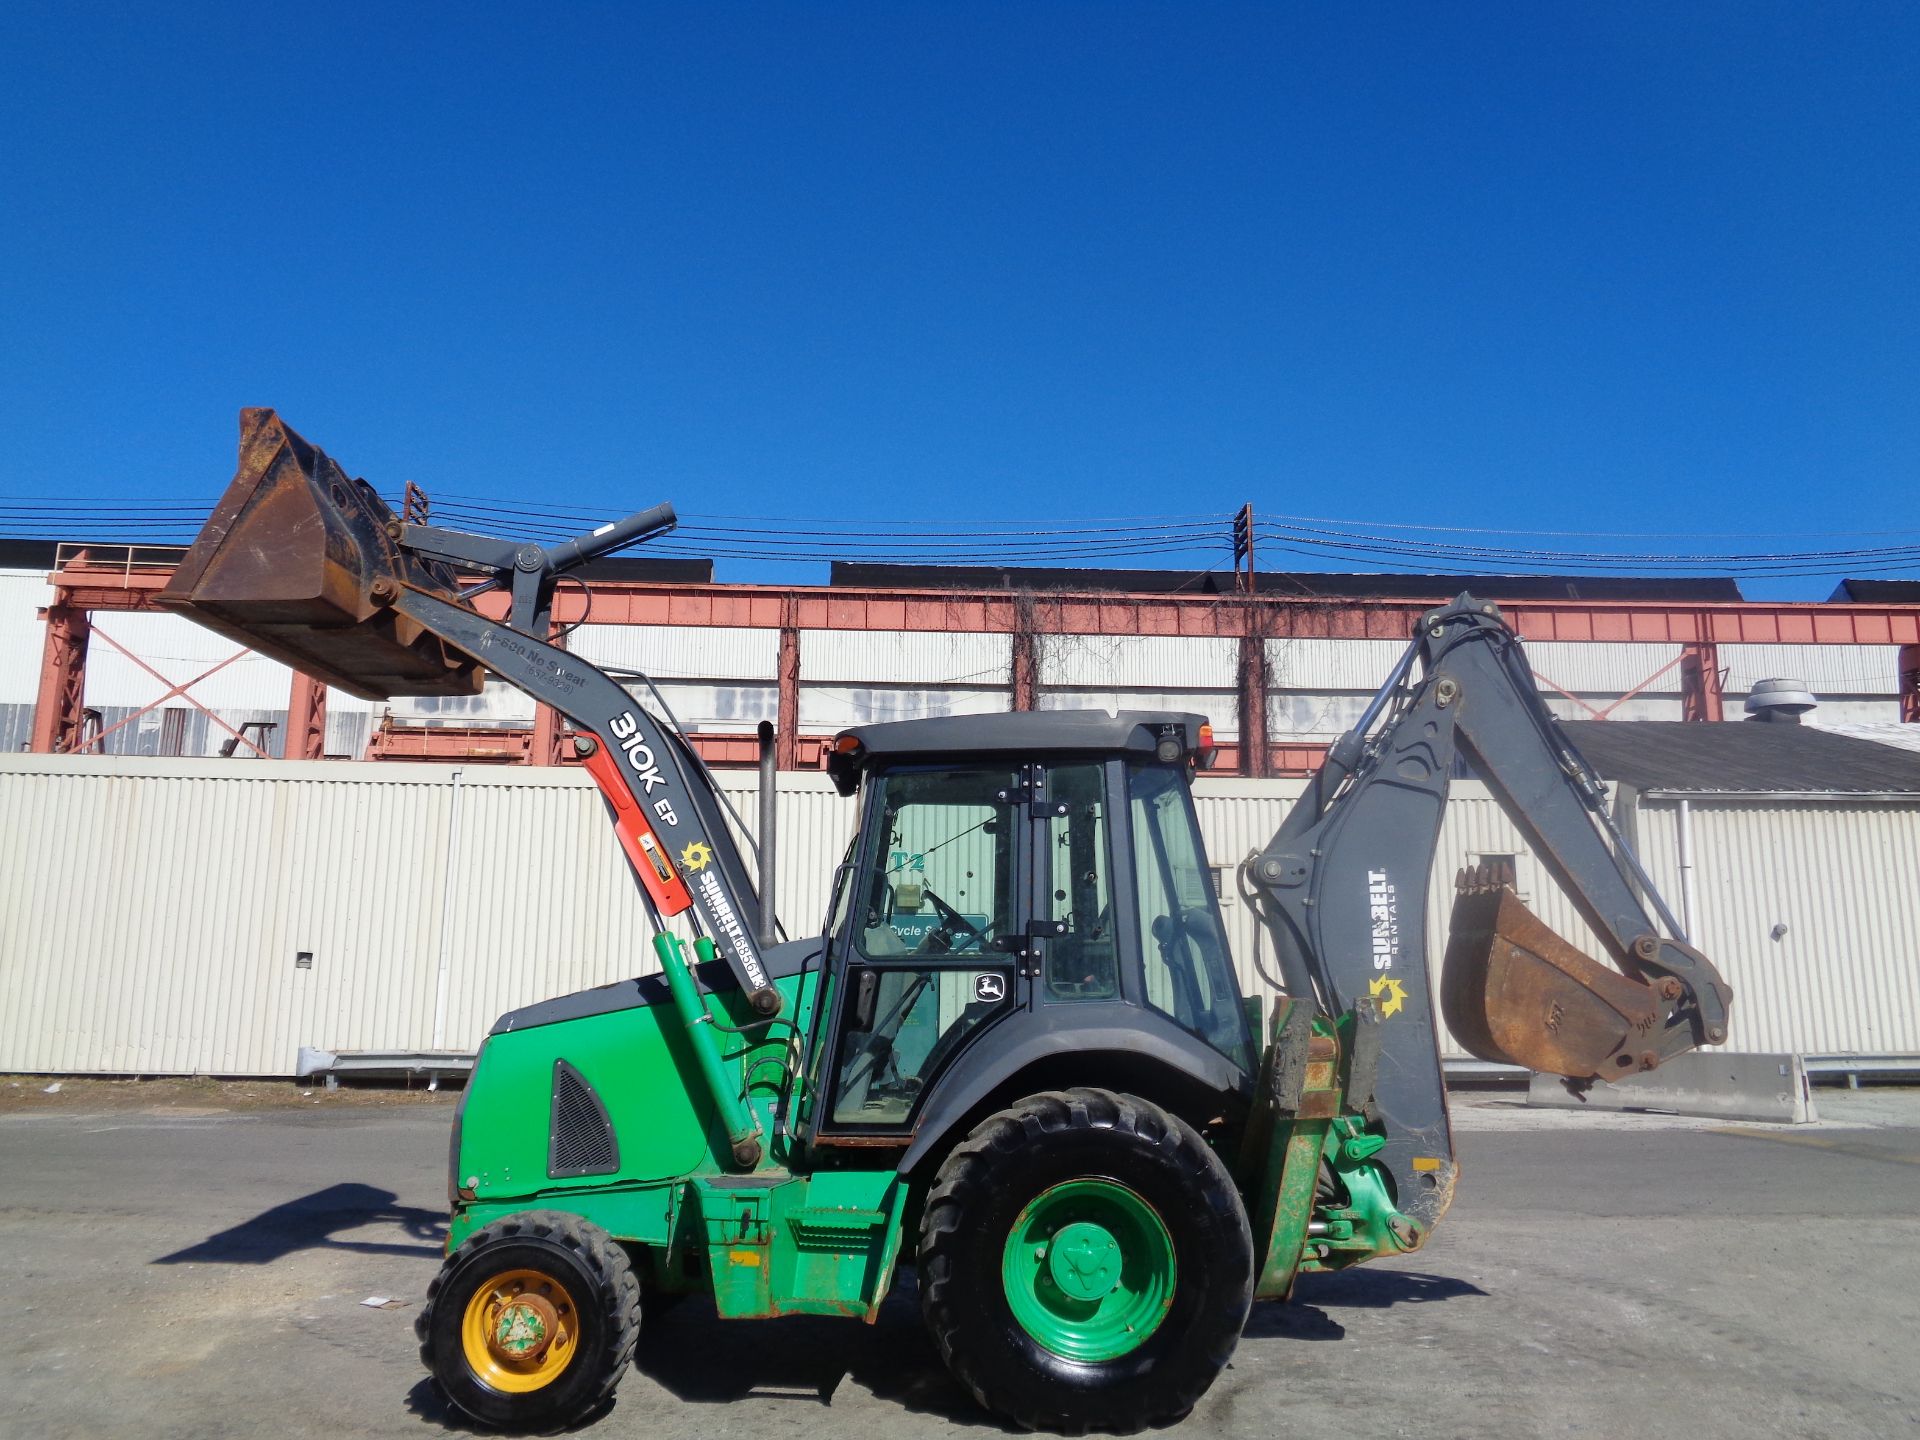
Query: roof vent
{"points": [[1781, 701]]}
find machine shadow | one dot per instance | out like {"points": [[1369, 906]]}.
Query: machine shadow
{"points": [[1306, 1316], [427, 1405], [311, 1221], [703, 1360]]}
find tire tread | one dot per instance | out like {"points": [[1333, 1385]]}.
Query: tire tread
{"points": [[968, 1176], [616, 1292]]}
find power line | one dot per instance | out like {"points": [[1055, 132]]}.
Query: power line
{"points": [[1201, 537]]}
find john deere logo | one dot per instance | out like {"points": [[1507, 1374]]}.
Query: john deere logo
{"points": [[521, 1330], [1391, 995], [697, 856]]}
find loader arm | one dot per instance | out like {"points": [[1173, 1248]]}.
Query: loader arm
{"points": [[668, 817], [311, 568], [1342, 890]]}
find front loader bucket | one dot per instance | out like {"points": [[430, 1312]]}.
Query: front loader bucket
{"points": [[298, 562], [1515, 993]]}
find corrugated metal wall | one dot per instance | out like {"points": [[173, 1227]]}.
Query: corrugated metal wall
{"points": [[23, 639], [1829, 669], [151, 911], [1139, 662], [1842, 878]]}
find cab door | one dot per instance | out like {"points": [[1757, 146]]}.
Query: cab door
{"points": [[931, 945]]}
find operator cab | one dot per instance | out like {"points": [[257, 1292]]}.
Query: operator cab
{"points": [[1025, 890]]}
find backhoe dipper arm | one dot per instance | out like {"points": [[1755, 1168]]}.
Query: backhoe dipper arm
{"points": [[1342, 888], [669, 820]]}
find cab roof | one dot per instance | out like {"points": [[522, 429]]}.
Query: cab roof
{"points": [[1022, 734]]}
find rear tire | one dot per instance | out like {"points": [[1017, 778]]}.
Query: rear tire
{"points": [[1130, 1321], [531, 1323]]}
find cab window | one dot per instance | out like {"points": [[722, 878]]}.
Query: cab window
{"points": [[1081, 963], [1182, 944], [940, 880]]}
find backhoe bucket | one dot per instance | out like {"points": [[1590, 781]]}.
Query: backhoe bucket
{"points": [[301, 563], [1515, 993]]}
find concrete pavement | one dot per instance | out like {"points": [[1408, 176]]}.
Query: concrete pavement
{"points": [[200, 1272]]}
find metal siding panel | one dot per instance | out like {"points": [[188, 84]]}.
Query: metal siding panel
{"points": [[1844, 878], [1828, 669], [1301, 716], [1145, 662], [167, 946], [1309, 664], [832, 707], [1360, 666], [23, 634], [932, 659], [1853, 712], [731, 708], [1238, 817], [1220, 708], [498, 703], [1645, 706], [715, 652], [571, 915], [1604, 667]]}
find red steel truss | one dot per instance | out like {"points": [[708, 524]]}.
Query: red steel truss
{"points": [[95, 579]]}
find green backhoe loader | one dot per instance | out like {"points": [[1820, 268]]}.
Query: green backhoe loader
{"points": [[1016, 1057]]}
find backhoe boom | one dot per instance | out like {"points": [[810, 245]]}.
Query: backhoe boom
{"points": [[1342, 889]]}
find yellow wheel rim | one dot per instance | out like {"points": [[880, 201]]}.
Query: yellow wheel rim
{"points": [[520, 1331]]}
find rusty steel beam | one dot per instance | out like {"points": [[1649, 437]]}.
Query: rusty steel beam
{"points": [[1285, 758], [1255, 686], [544, 748], [511, 745], [623, 602], [1023, 682], [306, 719], [481, 745], [59, 708], [89, 582], [786, 715], [1700, 696], [1292, 617]]}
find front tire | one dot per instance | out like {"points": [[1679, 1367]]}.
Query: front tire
{"points": [[1086, 1263], [531, 1323]]}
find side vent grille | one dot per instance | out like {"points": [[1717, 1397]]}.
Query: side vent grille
{"points": [[581, 1139]]}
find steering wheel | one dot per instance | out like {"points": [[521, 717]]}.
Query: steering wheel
{"points": [[952, 925]]}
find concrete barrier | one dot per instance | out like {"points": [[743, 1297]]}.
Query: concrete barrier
{"points": [[1720, 1086]]}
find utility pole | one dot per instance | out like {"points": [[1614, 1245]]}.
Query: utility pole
{"points": [[1243, 549], [1255, 757]]}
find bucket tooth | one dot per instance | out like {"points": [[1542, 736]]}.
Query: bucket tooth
{"points": [[1515, 993], [301, 563]]}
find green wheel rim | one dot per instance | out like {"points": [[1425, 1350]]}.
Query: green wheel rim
{"points": [[1089, 1270]]}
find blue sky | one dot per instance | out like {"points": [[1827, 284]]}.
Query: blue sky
{"points": [[1570, 267]]}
